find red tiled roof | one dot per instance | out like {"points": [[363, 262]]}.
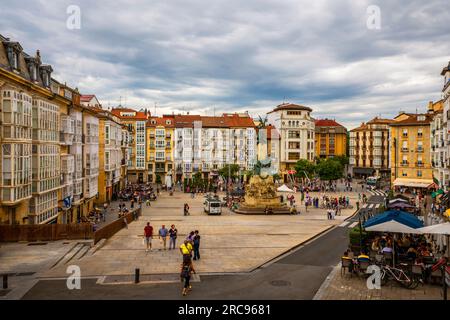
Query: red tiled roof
{"points": [[290, 106], [161, 122], [86, 97], [240, 121], [184, 121], [327, 123], [214, 122], [138, 115]]}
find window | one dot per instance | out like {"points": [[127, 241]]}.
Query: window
{"points": [[107, 128], [419, 173], [405, 133], [15, 60], [420, 146], [419, 132], [405, 146], [404, 174]]}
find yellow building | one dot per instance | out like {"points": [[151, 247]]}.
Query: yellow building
{"points": [[410, 150], [330, 139], [160, 147]]}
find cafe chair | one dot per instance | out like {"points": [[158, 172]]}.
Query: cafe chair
{"points": [[346, 264]]}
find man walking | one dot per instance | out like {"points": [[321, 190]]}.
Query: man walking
{"points": [[173, 237], [163, 235], [148, 234], [186, 249], [196, 241]]}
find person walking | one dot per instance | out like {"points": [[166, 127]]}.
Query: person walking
{"points": [[196, 241], [148, 234], [186, 209], [163, 235], [187, 268], [173, 237], [186, 249]]}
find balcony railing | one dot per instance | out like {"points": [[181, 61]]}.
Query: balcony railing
{"points": [[404, 149], [419, 164], [419, 150]]}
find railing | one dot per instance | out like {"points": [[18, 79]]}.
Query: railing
{"points": [[45, 232], [419, 164], [111, 229]]}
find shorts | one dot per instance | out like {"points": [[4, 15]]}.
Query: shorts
{"points": [[148, 240]]}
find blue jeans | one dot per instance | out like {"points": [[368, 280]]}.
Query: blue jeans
{"points": [[172, 242], [196, 252]]}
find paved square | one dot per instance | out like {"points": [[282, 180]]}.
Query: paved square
{"points": [[230, 242]]}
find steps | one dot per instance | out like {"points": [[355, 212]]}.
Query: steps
{"points": [[77, 252]]}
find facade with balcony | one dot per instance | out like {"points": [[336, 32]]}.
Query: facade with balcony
{"points": [[445, 183], [439, 149], [297, 132], [90, 160], [369, 149], [135, 121], [410, 149], [204, 144]]}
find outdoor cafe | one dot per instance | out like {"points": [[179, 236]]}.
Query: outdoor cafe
{"points": [[404, 249]]}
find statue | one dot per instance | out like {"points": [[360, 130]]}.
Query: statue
{"points": [[260, 192]]}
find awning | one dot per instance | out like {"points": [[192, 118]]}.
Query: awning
{"points": [[423, 183], [402, 217], [435, 194], [284, 188]]}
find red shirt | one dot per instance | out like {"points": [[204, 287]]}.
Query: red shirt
{"points": [[148, 231]]}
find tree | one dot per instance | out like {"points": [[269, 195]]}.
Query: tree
{"points": [[197, 179], [227, 169], [262, 122], [330, 169], [304, 166], [342, 159]]}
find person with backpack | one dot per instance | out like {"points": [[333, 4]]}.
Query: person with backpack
{"points": [[187, 269], [196, 242]]}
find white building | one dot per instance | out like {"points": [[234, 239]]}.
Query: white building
{"points": [[446, 123], [297, 129]]}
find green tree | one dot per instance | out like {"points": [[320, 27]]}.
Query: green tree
{"points": [[342, 159], [262, 122], [227, 169], [330, 169], [304, 166], [197, 179]]}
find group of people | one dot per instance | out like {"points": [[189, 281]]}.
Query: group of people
{"points": [[189, 249]]}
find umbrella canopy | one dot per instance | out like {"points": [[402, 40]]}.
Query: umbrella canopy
{"points": [[438, 192], [398, 200], [399, 216], [442, 228], [400, 205], [284, 188], [393, 226]]}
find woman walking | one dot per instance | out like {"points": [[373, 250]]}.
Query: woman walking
{"points": [[186, 271]]}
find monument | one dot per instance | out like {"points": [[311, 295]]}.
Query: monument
{"points": [[260, 192]]}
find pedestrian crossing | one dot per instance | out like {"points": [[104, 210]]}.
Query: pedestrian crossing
{"points": [[348, 224], [371, 206], [378, 193]]}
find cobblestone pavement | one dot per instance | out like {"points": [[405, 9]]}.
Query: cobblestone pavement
{"points": [[230, 242], [345, 287]]}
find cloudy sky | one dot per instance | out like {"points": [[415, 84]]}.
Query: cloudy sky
{"points": [[228, 55]]}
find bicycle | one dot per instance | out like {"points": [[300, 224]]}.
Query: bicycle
{"points": [[399, 276]]}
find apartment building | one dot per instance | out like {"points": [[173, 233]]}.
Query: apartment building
{"points": [[297, 131], [160, 144], [110, 154], [136, 122], [369, 149], [410, 150], [205, 144], [438, 144], [330, 139], [445, 73]]}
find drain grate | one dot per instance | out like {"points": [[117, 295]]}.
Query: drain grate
{"points": [[280, 283], [37, 243]]}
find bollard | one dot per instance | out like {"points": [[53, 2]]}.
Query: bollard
{"points": [[136, 275], [5, 281]]}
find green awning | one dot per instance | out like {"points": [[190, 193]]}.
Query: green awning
{"points": [[435, 194]]}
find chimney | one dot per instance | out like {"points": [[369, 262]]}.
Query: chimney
{"points": [[430, 106]]}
